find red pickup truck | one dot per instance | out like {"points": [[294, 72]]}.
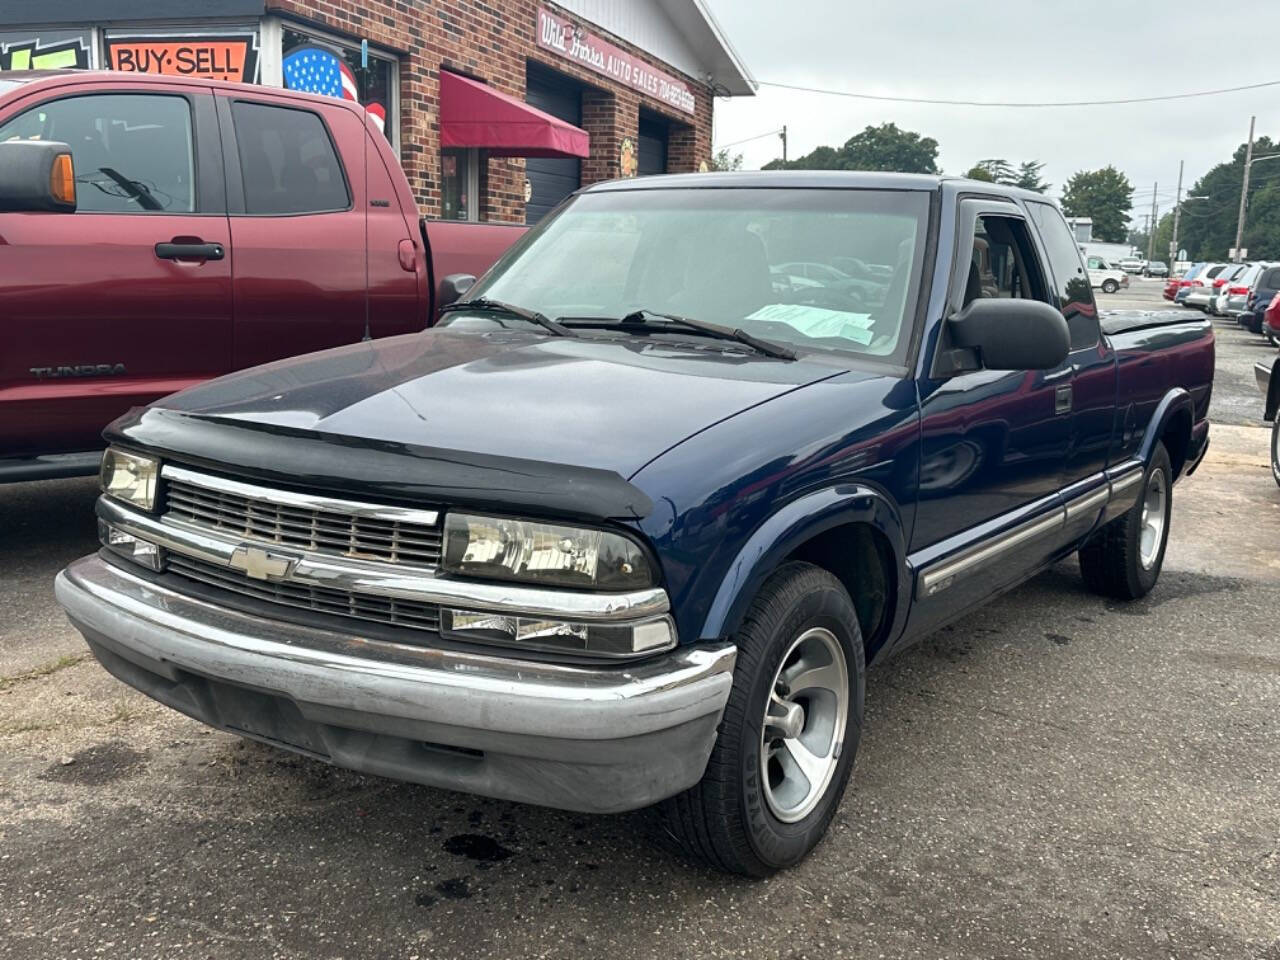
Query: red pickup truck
{"points": [[198, 228]]}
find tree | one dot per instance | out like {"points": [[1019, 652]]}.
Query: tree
{"points": [[1105, 195], [1208, 227], [1028, 177], [722, 160], [886, 147], [997, 171]]}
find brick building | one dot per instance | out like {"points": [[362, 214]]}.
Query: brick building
{"points": [[498, 108]]}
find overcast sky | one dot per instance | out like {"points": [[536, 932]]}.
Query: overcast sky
{"points": [[1010, 50]]}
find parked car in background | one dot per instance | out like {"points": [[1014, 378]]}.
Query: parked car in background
{"points": [[570, 550], [1239, 289], [1271, 321], [1267, 373], [1223, 284], [1132, 265], [1188, 278], [1106, 277], [206, 227], [1260, 298], [1202, 286], [1156, 268], [1171, 288]]}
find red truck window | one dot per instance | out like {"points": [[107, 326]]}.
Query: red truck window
{"points": [[132, 152], [288, 161]]}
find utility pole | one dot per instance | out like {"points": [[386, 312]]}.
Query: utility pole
{"points": [[783, 135], [1244, 191], [1151, 224], [1177, 217]]}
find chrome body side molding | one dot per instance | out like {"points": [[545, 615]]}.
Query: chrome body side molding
{"points": [[1114, 491]]}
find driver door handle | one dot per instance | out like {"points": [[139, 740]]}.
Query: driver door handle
{"points": [[1063, 399], [190, 251]]}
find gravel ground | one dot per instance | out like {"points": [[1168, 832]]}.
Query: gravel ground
{"points": [[1058, 776]]}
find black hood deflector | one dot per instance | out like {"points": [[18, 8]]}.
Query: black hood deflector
{"points": [[380, 470]]}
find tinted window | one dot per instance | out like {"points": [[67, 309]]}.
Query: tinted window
{"points": [[1075, 293], [1272, 280], [132, 153], [1215, 270], [287, 161]]}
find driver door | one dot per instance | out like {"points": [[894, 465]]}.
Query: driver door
{"points": [[129, 298], [994, 442]]}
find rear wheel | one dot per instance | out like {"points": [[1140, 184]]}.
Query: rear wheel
{"points": [[1110, 286], [1124, 558], [790, 731]]}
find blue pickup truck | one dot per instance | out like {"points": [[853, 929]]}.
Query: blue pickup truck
{"points": [[629, 526]]}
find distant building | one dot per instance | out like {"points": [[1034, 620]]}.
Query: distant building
{"points": [[1083, 228]]}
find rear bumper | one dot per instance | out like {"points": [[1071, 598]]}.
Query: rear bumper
{"points": [[593, 739]]}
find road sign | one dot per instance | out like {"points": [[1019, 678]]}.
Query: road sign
{"points": [[1233, 254]]}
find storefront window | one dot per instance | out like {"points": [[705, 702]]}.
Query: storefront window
{"points": [[460, 184], [45, 50], [314, 65]]}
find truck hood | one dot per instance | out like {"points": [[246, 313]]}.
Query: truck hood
{"points": [[608, 402]]}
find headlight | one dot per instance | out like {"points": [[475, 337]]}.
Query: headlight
{"points": [[543, 553], [130, 478]]}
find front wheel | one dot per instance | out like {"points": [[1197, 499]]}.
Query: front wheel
{"points": [[1110, 286], [1124, 558], [787, 741]]}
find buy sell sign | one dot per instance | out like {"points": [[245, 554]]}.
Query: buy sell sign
{"points": [[222, 57]]}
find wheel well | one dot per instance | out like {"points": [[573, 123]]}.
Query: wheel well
{"points": [[1176, 437], [860, 557]]}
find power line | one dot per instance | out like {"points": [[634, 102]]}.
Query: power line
{"points": [[1023, 104], [758, 136]]}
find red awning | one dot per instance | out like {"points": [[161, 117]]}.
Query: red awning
{"points": [[475, 115]]}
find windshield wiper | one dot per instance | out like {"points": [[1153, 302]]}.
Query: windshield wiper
{"points": [[642, 317], [497, 306]]}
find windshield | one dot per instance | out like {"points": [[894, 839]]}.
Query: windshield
{"points": [[815, 269]]}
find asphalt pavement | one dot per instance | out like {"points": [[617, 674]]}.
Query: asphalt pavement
{"points": [[1058, 776]]}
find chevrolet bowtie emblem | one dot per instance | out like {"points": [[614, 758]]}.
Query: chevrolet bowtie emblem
{"points": [[261, 564]]}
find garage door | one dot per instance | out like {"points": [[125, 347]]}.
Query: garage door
{"points": [[653, 148], [552, 178]]}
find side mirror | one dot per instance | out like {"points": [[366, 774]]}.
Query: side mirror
{"points": [[36, 176], [1012, 334], [453, 287]]}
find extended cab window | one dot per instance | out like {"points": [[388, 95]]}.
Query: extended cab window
{"points": [[287, 161], [132, 153], [818, 269], [1075, 293]]}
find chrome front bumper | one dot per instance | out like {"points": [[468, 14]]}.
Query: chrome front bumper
{"points": [[595, 739]]}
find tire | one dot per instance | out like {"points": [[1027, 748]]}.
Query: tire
{"points": [[1275, 449], [736, 819], [1273, 337], [1110, 286], [1114, 562]]}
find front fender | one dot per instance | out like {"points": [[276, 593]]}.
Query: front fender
{"points": [[789, 528]]}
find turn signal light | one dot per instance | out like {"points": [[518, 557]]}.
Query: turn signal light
{"points": [[62, 180]]}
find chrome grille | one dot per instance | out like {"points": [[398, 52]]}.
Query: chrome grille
{"points": [[401, 613], [321, 530]]}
